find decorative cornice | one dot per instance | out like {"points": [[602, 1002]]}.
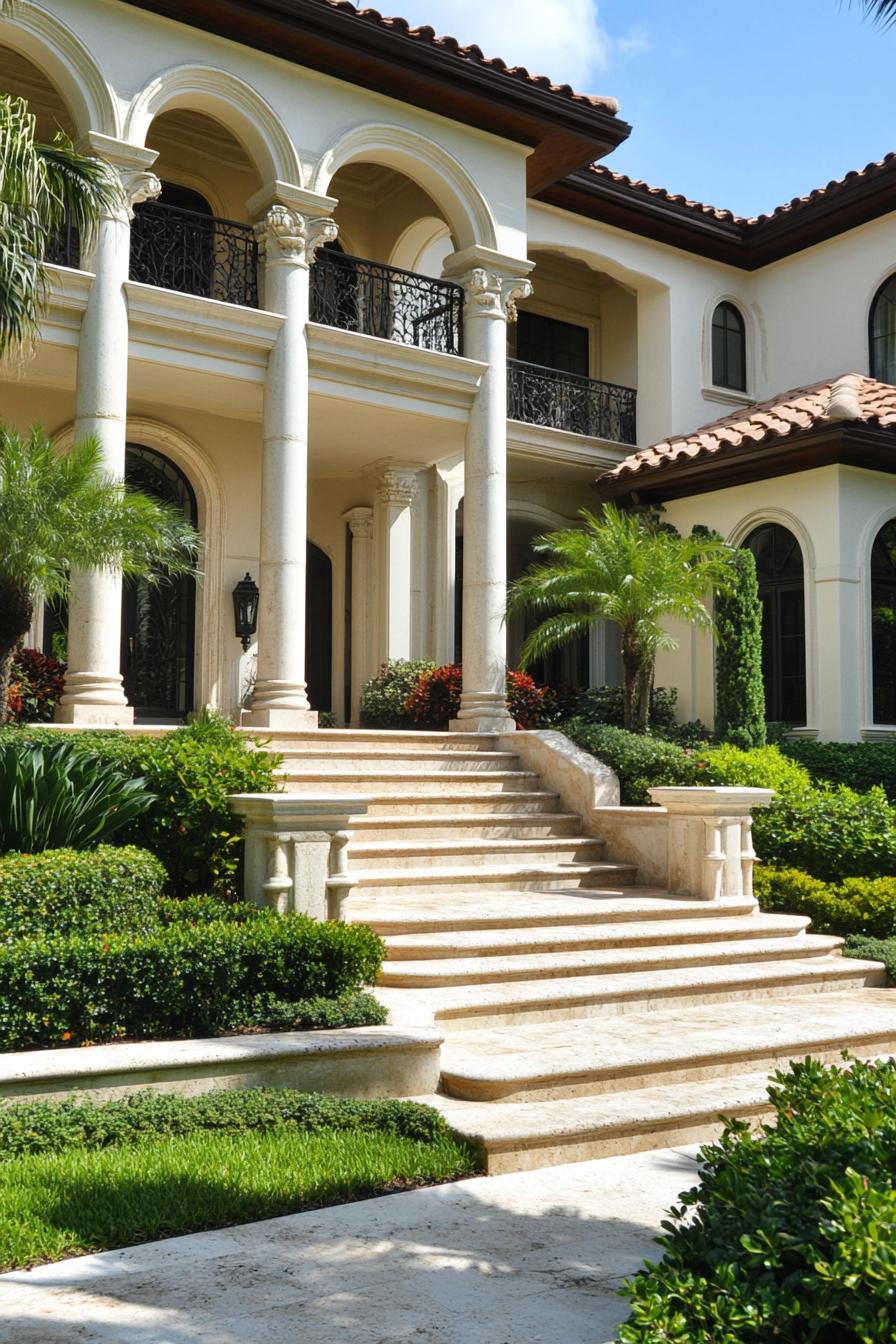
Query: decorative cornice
{"points": [[492, 293], [398, 487], [360, 522], [295, 236]]}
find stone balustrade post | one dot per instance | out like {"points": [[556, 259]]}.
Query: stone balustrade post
{"points": [[295, 225], [93, 685], [709, 849], [492, 285]]}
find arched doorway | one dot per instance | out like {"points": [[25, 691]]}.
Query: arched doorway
{"points": [[319, 629], [779, 571], [158, 621], [883, 624]]}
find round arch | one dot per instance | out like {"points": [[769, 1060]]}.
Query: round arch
{"points": [[433, 168], [229, 100], [67, 63], [882, 330], [416, 240], [785, 590]]}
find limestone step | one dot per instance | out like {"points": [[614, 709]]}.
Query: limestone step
{"points": [[455, 878], [370, 855], [277, 740], [440, 825], [614, 961], [424, 781], [531, 939], [406, 911], [511, 1137], [470, 1007], [546, 1061], [375, 761], [475, 804]]}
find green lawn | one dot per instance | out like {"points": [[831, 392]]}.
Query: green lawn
{"points": [[74, 1203]]}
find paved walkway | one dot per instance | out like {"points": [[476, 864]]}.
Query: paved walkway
{"points": [[530, 1258]]}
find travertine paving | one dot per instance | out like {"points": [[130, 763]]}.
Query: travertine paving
{"points": [[530, 1258]]}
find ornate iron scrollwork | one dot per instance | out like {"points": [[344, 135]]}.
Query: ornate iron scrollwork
{"points": [[541, 396], [377, 300], [194, 253]]}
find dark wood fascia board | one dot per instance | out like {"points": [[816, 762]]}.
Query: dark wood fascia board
{"points": [[564, 134], [850, 445], [848, 207]]}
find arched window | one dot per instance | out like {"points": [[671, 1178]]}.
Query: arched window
{"points": [[882, 333], [779, 570], [883, 623], [729, 348]]}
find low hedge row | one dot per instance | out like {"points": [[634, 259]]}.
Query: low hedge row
{"points": [[874, 949], [862, 765], [865, 906], [183, 980], [641, 762], [64, 890], [59, 1126]]}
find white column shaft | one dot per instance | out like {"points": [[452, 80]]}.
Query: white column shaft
{"points": [[360, 523]]}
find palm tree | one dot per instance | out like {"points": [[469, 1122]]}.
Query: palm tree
{"points": [[625, 569], [58, 513], [41, 187], [881, 11]]}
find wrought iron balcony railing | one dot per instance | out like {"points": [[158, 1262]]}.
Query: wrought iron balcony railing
{"points": [[65, 248], [194, 253], [377, 300], [541, 396]]}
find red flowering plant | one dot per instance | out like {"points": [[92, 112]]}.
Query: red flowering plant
{"points": [[35, 686], [435, 699]]}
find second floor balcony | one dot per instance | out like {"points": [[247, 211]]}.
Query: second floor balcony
{"points": [[195, 253], [568, 401]]}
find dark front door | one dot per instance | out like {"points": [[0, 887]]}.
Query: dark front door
{"points": [[319, 629], [158, 620]]}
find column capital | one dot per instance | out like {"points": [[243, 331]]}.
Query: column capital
{"points": [[360, 522], [295, 223], [398, 487], [493, 283], [131, 163]]}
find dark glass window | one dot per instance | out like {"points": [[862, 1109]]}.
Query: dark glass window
{"points": [[729, 348], [882, 334], [883, 624], [552, 344], [779, 570]]}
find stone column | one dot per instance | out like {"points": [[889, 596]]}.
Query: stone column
{"points": [[93, 684], [393, 523], [296, 223], [360, 522], [492, 284]]}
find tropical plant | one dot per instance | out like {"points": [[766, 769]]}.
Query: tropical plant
{"points": [[54, 797], [42, 186], [623, 568], [740, 693], [880, 11], [59, 512]]}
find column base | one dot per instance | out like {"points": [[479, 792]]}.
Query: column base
{"points": [[280, 720], [91, 698], [482, 712]]}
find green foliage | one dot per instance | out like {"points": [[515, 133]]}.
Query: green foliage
{"points": [[624, 568], [319, 1014], [873, 949], [740, 694], [605, 704], [53, 797], [792, 1234], [59, 1126], [857, 905], [640, 761], [862, 765], [35, 686], [384, 697], [64, 891], [832, 833], [184, 980], [759, 768]]}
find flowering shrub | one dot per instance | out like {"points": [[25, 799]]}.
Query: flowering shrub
{"points": [[384, 696], [35, 686], [435, 699]]}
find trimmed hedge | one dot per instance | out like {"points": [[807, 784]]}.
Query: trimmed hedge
{"points": [[858, 905], [640, 761], [184, 980], [873, 949], [65, 890], [791, 1234], [861, 765]]}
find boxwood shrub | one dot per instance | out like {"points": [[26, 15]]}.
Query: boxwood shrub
{"points": [[183, 980], [640, 761], [66, 890], [873, 949], [857, 905], [861, 765], [792, 1234]]}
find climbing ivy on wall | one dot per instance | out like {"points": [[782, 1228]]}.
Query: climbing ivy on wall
{"points": [[740, 695]]}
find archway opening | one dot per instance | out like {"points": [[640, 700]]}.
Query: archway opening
{"points": [[780, 574], [883, 624], [319, 629]]}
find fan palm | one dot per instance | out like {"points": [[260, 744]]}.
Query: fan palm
{"points": [[624, 569], [41, 187], [59, 512]]}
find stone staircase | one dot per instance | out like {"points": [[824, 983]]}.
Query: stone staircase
{"points": [[585, 1015]]}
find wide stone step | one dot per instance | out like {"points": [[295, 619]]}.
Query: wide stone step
{"points": [[339, 738], [376, 761], [425, 781], [440, 825], [612, 961], [547, 1061], [369, 855], [405, 911], [484, 806], [468, 1007], [502, 942], [456, 878]]}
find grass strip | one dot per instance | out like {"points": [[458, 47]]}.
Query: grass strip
{"points": [[74, 1203]]}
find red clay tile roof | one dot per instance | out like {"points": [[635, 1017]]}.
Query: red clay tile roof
{"points": [[851, 398], [473, 54], [641, 188]]}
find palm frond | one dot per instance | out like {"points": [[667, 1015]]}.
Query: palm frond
{"points": [[880, 11]]}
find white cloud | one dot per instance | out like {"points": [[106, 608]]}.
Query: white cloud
{"points": [[563, 39]]}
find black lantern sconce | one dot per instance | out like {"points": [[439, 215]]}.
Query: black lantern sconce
{"points": [[245, 610]]}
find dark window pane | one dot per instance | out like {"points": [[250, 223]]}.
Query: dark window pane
{"points": [[729, 348], [883, 624], [779, 567], [883, 333], [552, 344]]}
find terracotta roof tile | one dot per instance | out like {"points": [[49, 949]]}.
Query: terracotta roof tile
{"points": [[852, 398], [473, 54]]}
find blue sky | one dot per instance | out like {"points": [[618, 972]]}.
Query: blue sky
{"points": [[742, 106]]}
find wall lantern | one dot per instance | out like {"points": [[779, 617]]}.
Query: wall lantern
{"points": [[245, 610]]}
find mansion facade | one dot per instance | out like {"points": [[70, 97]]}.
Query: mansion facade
{"points": [[378, 312]]}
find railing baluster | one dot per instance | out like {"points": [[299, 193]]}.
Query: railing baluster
{"points": [[385, 301], [558, 400], [195, 253]]}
